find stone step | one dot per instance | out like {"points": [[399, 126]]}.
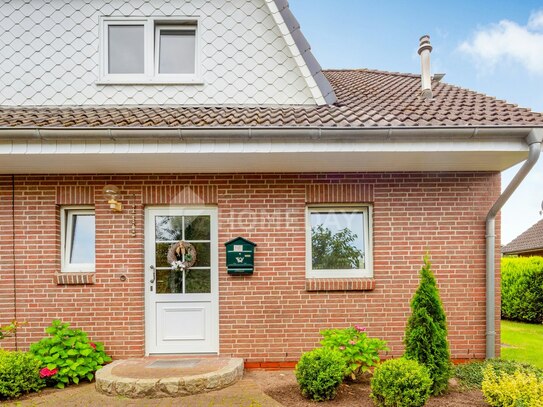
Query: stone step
{"points": [[159, 377]]}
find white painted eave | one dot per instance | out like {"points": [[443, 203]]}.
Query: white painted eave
{"points": [[116, 150]]}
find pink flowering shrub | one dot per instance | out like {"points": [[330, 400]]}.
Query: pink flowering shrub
{"points": [[68, 356], [359, 351], [45, 373]]}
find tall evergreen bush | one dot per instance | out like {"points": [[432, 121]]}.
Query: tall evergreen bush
{"points": [[426, 332]]}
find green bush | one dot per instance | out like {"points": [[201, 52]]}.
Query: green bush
{"points": [[68, 356], [426, 332], [401, 383], [19, 374], [522, 289], [359, 351], [512, 390], [319, 373], [470, 375]]}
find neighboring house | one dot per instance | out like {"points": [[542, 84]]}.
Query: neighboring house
{"points": [[212, 120], [529, 243]]}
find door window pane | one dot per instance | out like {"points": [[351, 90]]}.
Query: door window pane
{"points": [[203, 254], [197, 228], [337, 240], [169, 228], [161, 252], [198, 282], [177, 51], [169, 282], [83, 237], [126, 49]]}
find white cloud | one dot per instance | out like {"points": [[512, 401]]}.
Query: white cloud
{"points": [[509, 41], [536, 20]]}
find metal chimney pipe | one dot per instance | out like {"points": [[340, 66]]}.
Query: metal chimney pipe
{"points": [[424, 51]]}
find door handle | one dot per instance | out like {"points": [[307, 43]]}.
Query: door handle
{"points": [[154, 275]]}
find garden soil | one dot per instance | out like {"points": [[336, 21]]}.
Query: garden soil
{"points": [[282, 386]]}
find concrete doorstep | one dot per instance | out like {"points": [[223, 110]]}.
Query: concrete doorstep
{"points": [[161, 378]]}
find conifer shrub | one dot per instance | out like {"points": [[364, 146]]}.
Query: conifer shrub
{"points": [[319, 373], [426, 332], [522, 289], [400, 383]]}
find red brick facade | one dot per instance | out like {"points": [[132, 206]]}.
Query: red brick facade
{"points": [[275, 314]]}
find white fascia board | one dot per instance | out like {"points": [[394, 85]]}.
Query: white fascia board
{"points": [[300, 49], [264, 154]]}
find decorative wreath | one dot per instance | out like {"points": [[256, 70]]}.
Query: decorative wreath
{"points": [[181, 255]]}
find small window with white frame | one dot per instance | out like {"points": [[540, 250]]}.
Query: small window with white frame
{"points": [[149, 50], [339, 242], [78, 239]]}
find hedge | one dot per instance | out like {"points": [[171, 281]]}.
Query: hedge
{"points": [[522, 289]]}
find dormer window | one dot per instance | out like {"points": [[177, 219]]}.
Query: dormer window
{"points": [[175, 50], [150, 50]]}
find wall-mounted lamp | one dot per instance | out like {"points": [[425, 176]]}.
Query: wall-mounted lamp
{"points": [[111, 192]]}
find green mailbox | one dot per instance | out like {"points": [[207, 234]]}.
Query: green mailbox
{"points": [[240, 257]]}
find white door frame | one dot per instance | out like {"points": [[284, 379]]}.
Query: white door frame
{"points": [[149, 239]]}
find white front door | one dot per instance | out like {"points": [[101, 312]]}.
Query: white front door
{"points": [[181, 306]]}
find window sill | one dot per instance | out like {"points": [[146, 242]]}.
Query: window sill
{"points": [[149, 82], [74, 278], [339, 284]]}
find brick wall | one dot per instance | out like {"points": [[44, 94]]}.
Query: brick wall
{"points": [[271, 316]]}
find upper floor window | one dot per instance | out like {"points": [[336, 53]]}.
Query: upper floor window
{"points": [[149, 50]]}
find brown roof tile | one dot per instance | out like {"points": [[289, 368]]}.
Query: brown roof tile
{"points": [[366, 98], [532, 239]]}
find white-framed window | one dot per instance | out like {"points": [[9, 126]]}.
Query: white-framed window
{"points": [[339, 241], [77, 239], [149, 50]]}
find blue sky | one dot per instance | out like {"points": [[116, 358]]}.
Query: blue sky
{"points": [[492, 47]]}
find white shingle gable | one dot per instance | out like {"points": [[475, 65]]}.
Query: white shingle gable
{"points": [[49, 55]]}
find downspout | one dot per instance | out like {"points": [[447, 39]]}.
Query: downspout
{"points": [[534, 140], [14, 259]]}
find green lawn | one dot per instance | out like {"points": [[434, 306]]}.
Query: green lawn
{"points": [[523, 342]]}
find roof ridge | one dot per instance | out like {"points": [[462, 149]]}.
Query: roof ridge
{"points": [[371, 70]]}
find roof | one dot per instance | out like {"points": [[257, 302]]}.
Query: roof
{"points": [[530, 240], [365, 99]]}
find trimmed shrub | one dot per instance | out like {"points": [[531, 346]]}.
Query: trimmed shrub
{"points": [[426, 332], [519, 389], [359, 351], [470, 375], [401, 383], [522, 289], [19, 374], [319, 373], [68, 356]]}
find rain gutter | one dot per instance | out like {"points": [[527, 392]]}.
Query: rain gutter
{"points": [[463, 133]]}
